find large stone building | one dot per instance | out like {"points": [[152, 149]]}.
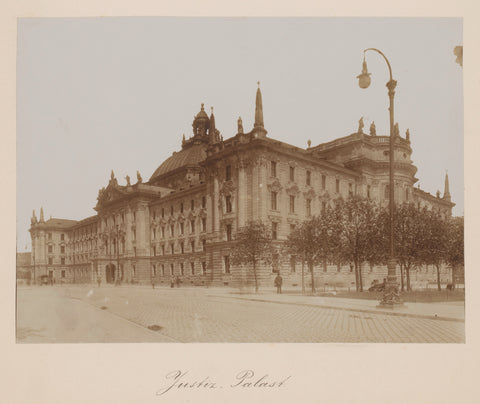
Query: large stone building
{"points": [[181, 222]]}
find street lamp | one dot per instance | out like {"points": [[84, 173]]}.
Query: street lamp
{"points": [[391, 296]]}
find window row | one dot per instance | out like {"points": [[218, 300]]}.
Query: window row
{"points": [[181, 208], [163, 248], [181, 229], [194, 269]]}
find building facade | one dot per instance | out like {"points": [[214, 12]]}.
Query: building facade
{"points": [[182, 221]]}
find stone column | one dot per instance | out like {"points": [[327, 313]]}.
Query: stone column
{"points": [[241, 194], [216, 210]]}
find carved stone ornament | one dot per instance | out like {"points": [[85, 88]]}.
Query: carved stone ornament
{"points": [[202, 213], [275, 218], [324, 195], [310, 194], [275, 186], [293, 190], [191, 215], [227, 188], [291, 220]]}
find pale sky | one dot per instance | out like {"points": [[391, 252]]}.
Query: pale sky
{"points": [[118, 93]]}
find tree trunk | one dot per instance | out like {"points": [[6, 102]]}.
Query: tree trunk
{"points": [[310, 266], [255, 276], [357, 281], [453, 277], [407, 271], [303, 276], [360, 280], [402, 284], [438, 277]]}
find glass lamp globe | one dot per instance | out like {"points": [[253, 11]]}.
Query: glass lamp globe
{"points": [[364, 79]]}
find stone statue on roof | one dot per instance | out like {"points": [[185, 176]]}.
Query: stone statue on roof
{"points": [[407, 135], [360, 125], [240, 125], [128, 180], [373, 129], [139, 178], [396, 130]]}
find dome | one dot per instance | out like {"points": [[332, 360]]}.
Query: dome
{"points": [[192, 155], [200, 123]]}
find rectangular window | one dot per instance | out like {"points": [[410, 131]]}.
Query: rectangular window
{"points": [[309, 207], [62, 237], [368, 191], [154, 271], [229, 232], [49, 236], [293, 261], [62, 249], [50, 248], [63, 274], [228, 203], [50, 260], [181, 228], [273, 168], [273, 200], [171, 210], [154, 215], [172, 269], [154, 233], [204, 202], [204, 224], [182, 247], [204, 268], [134, 234], [292, 173], [134, 269], [163, 269], [172, 230], [154, 250], [163, 212], [163, 231], [181, 207], [192, 267], [275, 263], [337, 186], [228, 173], [182, 270], [204, 245], [292, 204], [192, 226], [192, 204], [192, 245], [163, 249], [324, 181], [172, 249], [274, 230], [135, 251], [309, 178], [226, 263], [350, 189], [407, 194], [62, 261]]}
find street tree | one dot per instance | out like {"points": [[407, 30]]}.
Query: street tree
{"points": [[358, 226], [253, 246], [455, 246], [434, 241], [313, 241]]}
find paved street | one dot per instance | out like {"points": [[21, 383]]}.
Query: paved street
{"points": [[124, 314]]}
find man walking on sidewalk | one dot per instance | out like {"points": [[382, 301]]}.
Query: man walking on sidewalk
{"points": [[278, 283]]}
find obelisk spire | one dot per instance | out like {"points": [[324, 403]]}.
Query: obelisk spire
{"points": [[446, 192], [258, 108]]}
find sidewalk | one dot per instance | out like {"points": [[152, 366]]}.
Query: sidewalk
{"points": [[450, 311]]}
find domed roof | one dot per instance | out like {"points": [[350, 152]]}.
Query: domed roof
{"points": [[192, 155]]}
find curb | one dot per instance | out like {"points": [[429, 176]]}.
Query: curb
{"points": [[323, 306]]}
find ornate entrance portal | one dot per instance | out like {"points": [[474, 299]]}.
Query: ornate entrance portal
{"points": [[110, 271]]}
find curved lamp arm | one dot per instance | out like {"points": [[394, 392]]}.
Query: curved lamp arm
{"points": [[381, 53]]}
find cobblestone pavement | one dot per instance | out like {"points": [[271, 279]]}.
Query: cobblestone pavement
{"points": [[195, 315]]}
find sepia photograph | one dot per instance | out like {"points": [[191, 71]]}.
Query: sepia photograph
{"points": [[240, 180]]}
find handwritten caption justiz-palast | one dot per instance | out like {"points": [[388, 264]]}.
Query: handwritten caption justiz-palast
{"points": [[245, 379]]}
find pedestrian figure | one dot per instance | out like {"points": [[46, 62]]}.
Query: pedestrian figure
{"points": [[278, 283], [177, 281], [172, 282], [153, 283]]}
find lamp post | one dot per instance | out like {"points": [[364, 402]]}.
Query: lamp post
{"points": [[391, 296]]}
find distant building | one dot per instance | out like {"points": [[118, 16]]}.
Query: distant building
{"points": [[182, 221]]}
